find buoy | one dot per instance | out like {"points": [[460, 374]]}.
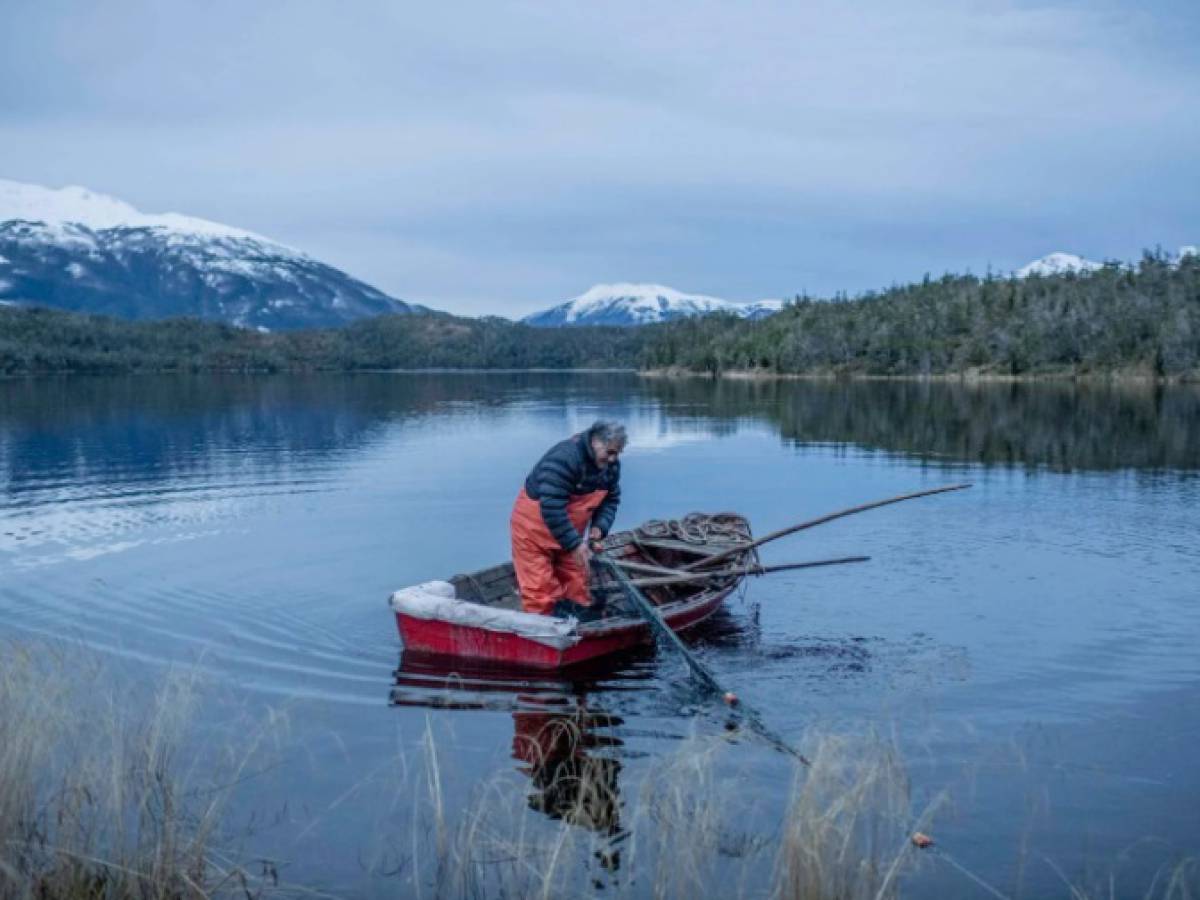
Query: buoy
{"points": [[731, 698], [921, 840]]}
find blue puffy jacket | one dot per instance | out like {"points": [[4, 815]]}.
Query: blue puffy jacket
{"points": [[569, 470]]}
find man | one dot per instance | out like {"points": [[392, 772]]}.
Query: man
{"points": [[569, 500]]}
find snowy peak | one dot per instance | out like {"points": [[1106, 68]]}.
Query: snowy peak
{"points": [[75, 249], [79, 206], [641, 302], [1058, 263], [626, 303]]}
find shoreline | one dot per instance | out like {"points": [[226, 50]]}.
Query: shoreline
{"points": [[966, 377]]}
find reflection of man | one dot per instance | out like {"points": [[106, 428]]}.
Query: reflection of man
{"points": [[569, 784], [569, 499]]}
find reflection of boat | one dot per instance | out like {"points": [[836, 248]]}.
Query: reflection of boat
{"points": [[479, 616], [556, 735]]}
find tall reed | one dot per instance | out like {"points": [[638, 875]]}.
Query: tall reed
{"points": [[692, 829], [97, 796]]}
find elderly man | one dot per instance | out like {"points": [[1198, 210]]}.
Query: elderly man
{"points": [[570, 499]]}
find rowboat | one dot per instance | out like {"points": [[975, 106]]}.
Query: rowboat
{"points": [[478, 615]]}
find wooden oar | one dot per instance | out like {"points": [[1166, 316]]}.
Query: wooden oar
{"points": [[647, 568], [699, 672], [820, 520], [705, 574]]}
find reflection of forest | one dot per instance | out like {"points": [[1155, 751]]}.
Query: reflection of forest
{"points": [[1057, 424], [175, 424], [165, 425]]}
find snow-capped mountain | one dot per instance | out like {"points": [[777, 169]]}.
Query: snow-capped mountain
{"points": [[78, 250], [642, 304], [1061, 263], [1058, 263]]}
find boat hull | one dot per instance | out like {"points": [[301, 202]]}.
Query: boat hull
{"points": [[448, 639]]}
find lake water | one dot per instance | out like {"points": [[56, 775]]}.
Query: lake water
{"points": [[1031, 646]]}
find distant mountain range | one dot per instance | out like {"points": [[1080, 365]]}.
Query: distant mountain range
{"points": [[86, 252], [78, 250], [642, 304]]}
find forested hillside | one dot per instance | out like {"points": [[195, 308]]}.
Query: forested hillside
{"points": [[1117, 320], [42, 340], [1114, 320]]}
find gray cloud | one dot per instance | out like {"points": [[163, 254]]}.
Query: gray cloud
{"points": [[497, 157]]}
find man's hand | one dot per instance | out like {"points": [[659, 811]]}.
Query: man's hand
{"points": [[595, 537], [581, 554]]}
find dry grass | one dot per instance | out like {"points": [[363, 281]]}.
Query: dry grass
{"points": [[96, 796], [693, 830], [104, 797]]}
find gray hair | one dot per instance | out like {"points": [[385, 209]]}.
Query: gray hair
{"points": [[609, 433]]}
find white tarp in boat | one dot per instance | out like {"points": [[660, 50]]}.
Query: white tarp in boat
{"points": [[436, 600]]}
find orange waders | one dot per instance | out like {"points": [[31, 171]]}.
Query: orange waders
{"points": [[545, 571]]}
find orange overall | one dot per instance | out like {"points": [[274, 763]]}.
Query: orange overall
{"points": [[545, 571]]}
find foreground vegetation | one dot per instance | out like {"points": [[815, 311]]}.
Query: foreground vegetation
{"points": [[95, 797], [105, 795], [1143, 321]]}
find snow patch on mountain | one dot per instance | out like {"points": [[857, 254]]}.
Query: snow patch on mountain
{"points": [[760, 309], [626, 303], [643, 302], [1058, 263], [76, 205]]}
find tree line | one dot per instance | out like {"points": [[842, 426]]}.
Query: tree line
{"points": [[40, 340], [1143, 320]]}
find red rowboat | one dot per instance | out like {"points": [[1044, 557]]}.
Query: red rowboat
{"points": [[478, 615]]}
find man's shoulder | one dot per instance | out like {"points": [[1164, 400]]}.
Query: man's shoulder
{"points": [[565, 451]]}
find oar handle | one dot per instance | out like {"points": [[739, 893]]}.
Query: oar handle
{"points": [[820, 520]]}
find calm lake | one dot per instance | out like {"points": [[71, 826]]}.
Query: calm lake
{"points": [[1030, 646]]}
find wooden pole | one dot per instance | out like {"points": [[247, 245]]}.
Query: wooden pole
{"points": [[705, 575], [820, 520]]}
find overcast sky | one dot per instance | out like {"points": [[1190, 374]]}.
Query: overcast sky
{"points": [[500, 157]]}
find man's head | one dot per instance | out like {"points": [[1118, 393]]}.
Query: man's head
{"points": [[608, 440]]}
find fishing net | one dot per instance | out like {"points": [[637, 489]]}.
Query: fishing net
{"points": [[611, 591]]}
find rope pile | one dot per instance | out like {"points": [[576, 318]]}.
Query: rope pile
{"points": [[699, 528]]}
